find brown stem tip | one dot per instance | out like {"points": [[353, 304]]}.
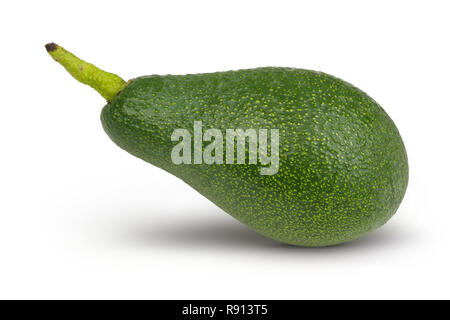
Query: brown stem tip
{"points": [[50, 46]]}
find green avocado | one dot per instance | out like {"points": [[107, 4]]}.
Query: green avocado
{"points": [[341, 168]]}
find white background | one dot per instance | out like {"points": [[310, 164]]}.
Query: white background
{"points": [[81, 218]]}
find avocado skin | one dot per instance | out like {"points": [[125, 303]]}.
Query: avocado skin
{"points": [[343, 166]]}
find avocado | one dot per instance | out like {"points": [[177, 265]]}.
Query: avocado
{"points": [[341, 170]]}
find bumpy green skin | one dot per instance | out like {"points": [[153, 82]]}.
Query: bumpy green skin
{"points": [[343, 166]]}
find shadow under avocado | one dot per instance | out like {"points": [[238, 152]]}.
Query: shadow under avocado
{"points": [[218, 233]]}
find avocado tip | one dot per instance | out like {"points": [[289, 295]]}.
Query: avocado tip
{"points": [[51, 46]]}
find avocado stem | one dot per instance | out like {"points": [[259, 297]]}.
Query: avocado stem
{"points": [[107, 84]]}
